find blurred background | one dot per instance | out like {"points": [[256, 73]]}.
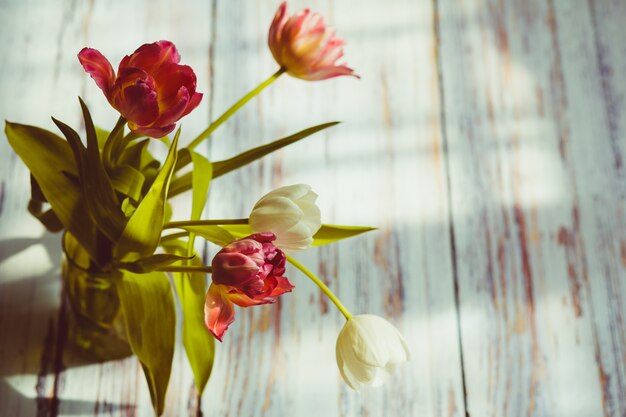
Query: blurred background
{"points": [[486, 141]]}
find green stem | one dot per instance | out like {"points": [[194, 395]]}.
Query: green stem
{"points": [[239, 104], [174, 236], [202, 269], [322, 286], [218, 222]]}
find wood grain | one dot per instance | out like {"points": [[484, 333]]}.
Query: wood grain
{"points": [[486, 141], [537, 202]]}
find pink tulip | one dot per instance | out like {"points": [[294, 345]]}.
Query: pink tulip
{"points": [[151, 89], [246, 272], [305, 47]]}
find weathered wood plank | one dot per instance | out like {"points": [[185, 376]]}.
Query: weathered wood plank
{"points": [[598, 147], [29, 299], [537, 204]]}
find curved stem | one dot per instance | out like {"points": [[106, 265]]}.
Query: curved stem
{"points": [[217, 222], [322, 286], [239, 104]]}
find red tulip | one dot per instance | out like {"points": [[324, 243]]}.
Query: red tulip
{"points": [[305, 47], [151, 89], [246, 272]]}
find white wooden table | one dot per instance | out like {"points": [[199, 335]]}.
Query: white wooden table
{"points": [[486, 140]]}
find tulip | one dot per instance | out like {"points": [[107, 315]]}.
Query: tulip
{"points": [[291, 214], [151, 89], [369, 350], [305, 47], [246, 272]]}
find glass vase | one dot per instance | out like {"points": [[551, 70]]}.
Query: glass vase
{"points": [[95, 328]]}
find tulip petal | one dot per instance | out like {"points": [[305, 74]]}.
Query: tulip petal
{"points": [[278, 215], [312, 216], [194, 101], [151, 57], [330, 53], [153, 132], [283, 285], [171, 77], [369, 350], [299, 233], [294, 191], [250, 270], [308, 196], [385, 342], [295, 245], [151, 90], [243, 300], [263, 237], [134, 96], [363, 373], [98, 67], [140, 104], [309, 45], [234, 269], [293, 26], [276, 29], [305, 47], [219, 312], [173, 109], [344, 369], [291, 213], [325, 73]]}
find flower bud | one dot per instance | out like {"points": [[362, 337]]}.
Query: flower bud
{"points": [[151, 90], [305, 47], [291, 214], [369, 350], [246, 272]]}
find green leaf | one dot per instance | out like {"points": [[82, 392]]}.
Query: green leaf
{"points": [[35, 207], [114, 144], [135, 155], [237, 231], [198, 342], [128, 207], [97, 190], [143, 230], [151, 263], [184, 158], [128, 181], [180, 184], [150, 321], [222, 167], [185, 182], [103, 135], [201, 179], [101, 182], [330, 233], [214, 234], [169, 212], [73, 251], [49, 158], [226, 233]]}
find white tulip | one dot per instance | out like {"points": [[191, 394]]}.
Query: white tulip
{"points": [[369, 350], [291, 214]]}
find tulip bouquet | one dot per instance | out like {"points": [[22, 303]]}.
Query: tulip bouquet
{"points": [[126, 260]]}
